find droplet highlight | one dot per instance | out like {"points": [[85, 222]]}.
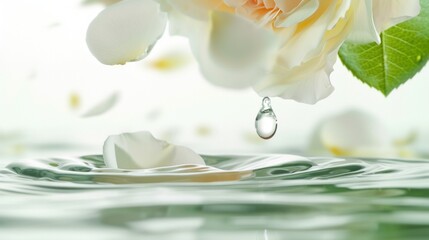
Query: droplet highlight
{"points": [[266, 120], [419, 58]]}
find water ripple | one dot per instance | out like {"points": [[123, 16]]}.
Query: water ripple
{"points": [[234, 197]]}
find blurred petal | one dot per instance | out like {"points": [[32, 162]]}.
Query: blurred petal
{"points": [[103, 106], [141, 150], [125, 31], [355, 129], [170, 61], [352, 133], [74, 101]]}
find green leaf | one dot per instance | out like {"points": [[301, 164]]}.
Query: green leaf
{"points": [[403, 52]]}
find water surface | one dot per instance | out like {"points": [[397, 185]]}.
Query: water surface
{"points": [[235, 197]]}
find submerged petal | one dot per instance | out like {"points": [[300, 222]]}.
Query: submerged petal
{"points": [[141, 150], [125, 31]]}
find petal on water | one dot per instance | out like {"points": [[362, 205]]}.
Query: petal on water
{"points": [[141, 150]]}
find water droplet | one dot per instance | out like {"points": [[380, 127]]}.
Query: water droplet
{"points": [[419, 58], [266, 120]]}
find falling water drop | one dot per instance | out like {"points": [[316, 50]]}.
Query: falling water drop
{"points": [[266, 120]]}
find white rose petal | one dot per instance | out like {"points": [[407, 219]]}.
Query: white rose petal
{"points": [[363, 30], [305, 11], [141, 150], [216, 41], [238, 52], [388, 13], [374, 16], [308, 83], [125, 31]]}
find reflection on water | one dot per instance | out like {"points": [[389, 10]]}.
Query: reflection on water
{"points": [[235, 197]]}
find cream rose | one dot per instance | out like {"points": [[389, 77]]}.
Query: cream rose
{"points": [[281, 48]]}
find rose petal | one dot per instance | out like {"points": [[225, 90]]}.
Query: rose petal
{"points": [[302, 13], [309, 90], [341, 12], [289, 5], [363, 29], [125, 31], [141, 150], [305, 44], [307, 83], [230, 50], [236, 52], [388, 13]]}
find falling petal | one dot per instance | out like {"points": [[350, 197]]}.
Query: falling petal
{"points": [[203, 131], [126, 31], [406, 140], [153, 115], [169, 62], [18, 149], [7, 136], [103, 106], [74, 101]]}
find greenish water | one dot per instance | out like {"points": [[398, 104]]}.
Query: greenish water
{"points": [[278, 197]]}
